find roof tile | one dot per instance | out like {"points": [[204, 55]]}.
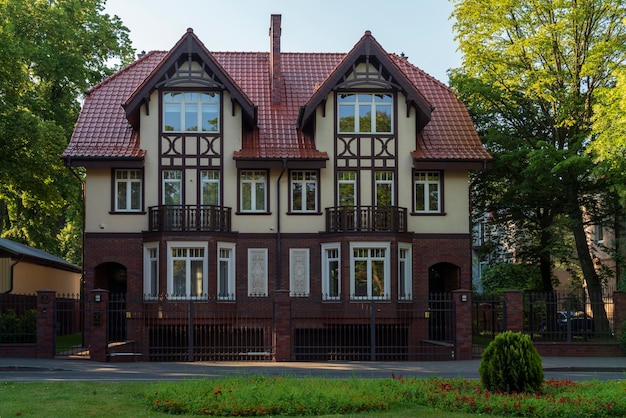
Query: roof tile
{"points": [[102, 130]]}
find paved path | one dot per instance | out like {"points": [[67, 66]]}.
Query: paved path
{"points": [[13, 369]]}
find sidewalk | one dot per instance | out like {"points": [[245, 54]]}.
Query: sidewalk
{"points": [[17, 369]]}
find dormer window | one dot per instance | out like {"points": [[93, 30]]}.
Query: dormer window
{"points": [[365, 113], [191, 111]]}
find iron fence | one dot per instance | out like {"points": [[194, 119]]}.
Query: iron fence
{"points": [[205, 329], [373, 330], [570, 316], [69, 338], [18, 319]]}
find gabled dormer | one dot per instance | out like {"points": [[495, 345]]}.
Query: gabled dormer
{"points": [[367, 66], [189, 64]]}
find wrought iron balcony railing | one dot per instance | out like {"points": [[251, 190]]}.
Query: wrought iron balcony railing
{"points": [[190, 218], [366, 219]]}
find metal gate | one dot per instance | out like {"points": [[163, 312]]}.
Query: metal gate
{"points": [[374, 330], [69, 336]]}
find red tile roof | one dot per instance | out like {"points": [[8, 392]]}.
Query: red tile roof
{"points": [[103, 132]]}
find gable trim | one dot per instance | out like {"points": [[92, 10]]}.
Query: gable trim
{"points": [[369, 51], [189, 48]]}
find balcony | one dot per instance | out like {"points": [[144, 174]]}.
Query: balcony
{"points": [[366, 219], [204, 218]]}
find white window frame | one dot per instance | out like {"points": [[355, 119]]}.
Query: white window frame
{"points": [[405, 271], [384, 181], [326, 277], [198, 102], [361, 102], [151, 270], [131, 177], [178, 179], [170, 268], [231, 292], [386, 246], [258, 177], [426, 183], [308, 178], [347, 177], [257, 272], [299, 272], [208, 178]]}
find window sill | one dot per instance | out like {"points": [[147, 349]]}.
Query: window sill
{"points": [[253, 213], [120, 212], [305, 213], [428, 214]]}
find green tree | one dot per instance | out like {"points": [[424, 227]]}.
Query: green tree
{"points": [[506, 276], [51, 51], [531, 69], [609, 151]]}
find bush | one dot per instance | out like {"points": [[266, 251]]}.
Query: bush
{"points": [[16, 328], [511, 364]]}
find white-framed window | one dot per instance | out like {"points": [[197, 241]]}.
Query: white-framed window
{"points": [[384, 188], [253, 191], [151, 270], [598, 234], [186, 269], [405, 272], [226, 270], [369, 270], [210, 187], [331, 271], [172, 187], [427, 191], [128, 190], [365, 112], [191, 111], [346, 188], [299, 276], [304, 185], [257, 272]]}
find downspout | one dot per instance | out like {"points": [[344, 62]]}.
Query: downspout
{"points": [[278, 243], [12, 275]]}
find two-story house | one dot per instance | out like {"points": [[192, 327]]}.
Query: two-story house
{"points": [[230, 177]]}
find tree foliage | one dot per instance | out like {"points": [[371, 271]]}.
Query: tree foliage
{"points": [[530, 76], [506, 276], [51, 51]]}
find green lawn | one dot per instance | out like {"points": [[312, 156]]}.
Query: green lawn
{"points": [[254, 395]]}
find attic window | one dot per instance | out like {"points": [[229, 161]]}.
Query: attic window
{"points": [[191, 111], [365, 112]]}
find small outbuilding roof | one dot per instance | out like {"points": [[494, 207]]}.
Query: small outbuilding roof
{"points": [[34, 255]]}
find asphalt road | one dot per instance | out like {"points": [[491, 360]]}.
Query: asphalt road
{"points": [[28, 370]]}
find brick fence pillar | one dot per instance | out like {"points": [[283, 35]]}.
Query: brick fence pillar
{"points": [[514, 310], [282, 326], [463, 325], [96, 319], [46, 302]]}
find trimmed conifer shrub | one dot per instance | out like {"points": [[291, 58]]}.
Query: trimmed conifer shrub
{"points": [[511, 363]]}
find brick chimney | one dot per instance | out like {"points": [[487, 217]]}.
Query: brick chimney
{"points": [[275, 71]]}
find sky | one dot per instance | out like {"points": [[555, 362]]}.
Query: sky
{"points": [[421, 29]]}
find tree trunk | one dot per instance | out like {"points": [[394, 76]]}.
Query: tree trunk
{"points": [[594, 285]]}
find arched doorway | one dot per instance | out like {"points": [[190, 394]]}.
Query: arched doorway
{"points": [[443, 278], [113, 277]]}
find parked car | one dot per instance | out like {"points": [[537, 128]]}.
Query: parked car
{"points": [[581, 323]]}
